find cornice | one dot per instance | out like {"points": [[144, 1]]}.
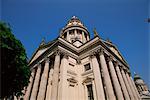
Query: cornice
{"points": [[77, 52]]}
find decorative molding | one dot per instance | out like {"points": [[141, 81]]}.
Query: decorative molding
{"points": [[87, 80], [92, 54], [116, 63], [109, 58], [87, 72], [78, 61], [47, 59], [65, 55], [57, 52], [71, 72], [72, 80], [100, 51]]}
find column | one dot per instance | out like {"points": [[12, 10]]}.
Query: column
{"points": [[107, 80], [124, 90], [28, 92], [97, 79], [88, 38], [115, 80], [36, 83], [131, 86], [43, 83], [68, 36], [75, 32], [63, 78], [127, 85], [55, 77], [49, 87], [83, 37], [135, 87]]}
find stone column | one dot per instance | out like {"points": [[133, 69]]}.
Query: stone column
{"points": [[127, 85], [63, 77], [83, 37], [36, 83], [135, 88], [68, 36], [97, 79], [88, 38], [28, 92], [75, 32], [48, 92], [131, 86], [115, 79], [125, 92], [43, 83], [55, 77], [107, 80]]}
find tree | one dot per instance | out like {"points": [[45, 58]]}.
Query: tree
{"points": [[14, 70]]}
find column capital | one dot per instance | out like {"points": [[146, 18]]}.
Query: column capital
{"points": [[38, 64], [92, 54], [116, 63], [78, 61], [46, 59], [110, 58], [100, 51], [65, 55], [57, 52]]}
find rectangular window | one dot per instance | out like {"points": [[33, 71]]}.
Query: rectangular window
{"points": [[90, 92], [87, 67]]}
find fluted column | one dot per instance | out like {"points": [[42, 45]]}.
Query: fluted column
{"points": [[36, 83], [127, 85], [49, 87], [43, 83], [125, 92], [55, 77], [115, 80], [63, 77], [131, 86], [28, 92], [107, 80], [135, 87], [98, 79]]}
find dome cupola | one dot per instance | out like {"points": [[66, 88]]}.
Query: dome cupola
{"points": [[75, 31]]}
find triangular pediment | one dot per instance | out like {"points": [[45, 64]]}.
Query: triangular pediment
{"points": [[38, 53]]}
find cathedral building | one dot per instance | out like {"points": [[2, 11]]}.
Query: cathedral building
{"points": [[77, 67]]}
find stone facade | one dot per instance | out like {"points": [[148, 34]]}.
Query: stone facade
{"points": [[75, 67]]}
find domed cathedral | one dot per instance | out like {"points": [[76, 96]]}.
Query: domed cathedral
{"points": [[76, 67]]}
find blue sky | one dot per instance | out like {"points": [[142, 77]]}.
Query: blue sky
{"points": [[122, 21]]}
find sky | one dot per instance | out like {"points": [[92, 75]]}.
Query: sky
{"points": [[122, 21]]}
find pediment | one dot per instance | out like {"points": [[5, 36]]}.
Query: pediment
{"points": [[38, 53]]}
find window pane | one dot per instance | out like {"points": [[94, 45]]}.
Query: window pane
{"points": [[90, 92]]}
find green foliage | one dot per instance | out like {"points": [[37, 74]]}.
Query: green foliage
{"points": [[14, 70]]}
